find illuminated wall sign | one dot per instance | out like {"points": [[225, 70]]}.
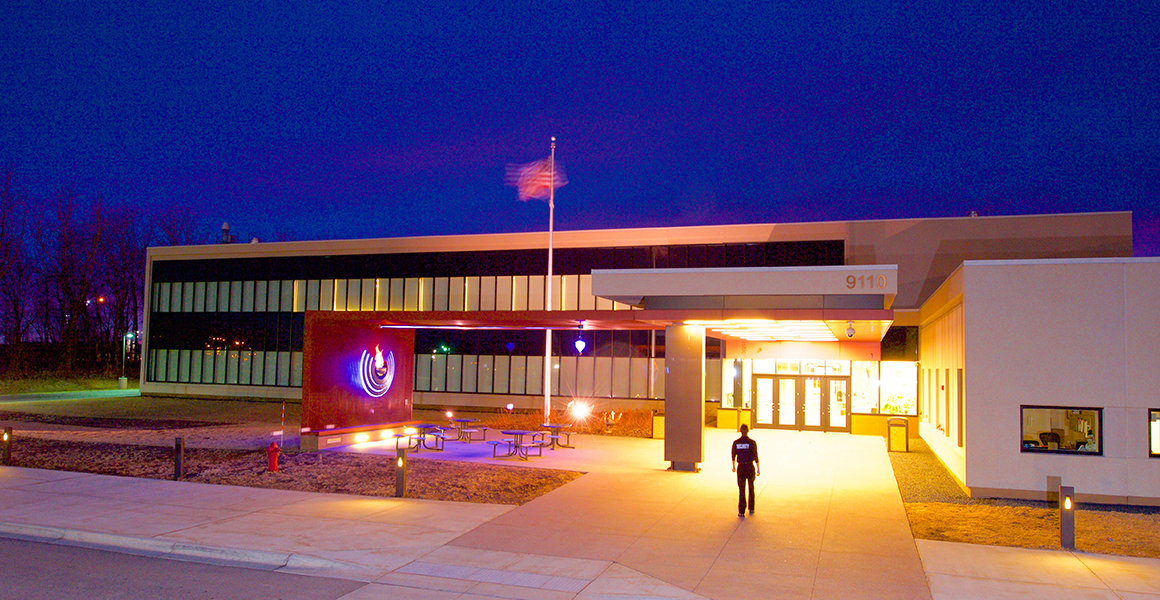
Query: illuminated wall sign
{"points": [[355, 374], [376, 373]]}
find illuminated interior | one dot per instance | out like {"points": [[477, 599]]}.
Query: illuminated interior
{"points": [[782, 330], [1154, 432]]}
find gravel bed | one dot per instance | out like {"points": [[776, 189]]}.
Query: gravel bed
{"points": [[922, 478]]}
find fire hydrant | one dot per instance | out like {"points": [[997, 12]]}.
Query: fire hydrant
{"points": [[272, 456]]}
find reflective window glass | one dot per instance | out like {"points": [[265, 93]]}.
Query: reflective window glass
{"points": [[1154, 432], [260, 290], [1065, 430]]}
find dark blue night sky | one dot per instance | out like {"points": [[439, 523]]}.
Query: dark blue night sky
{"points": [[303, 121]]}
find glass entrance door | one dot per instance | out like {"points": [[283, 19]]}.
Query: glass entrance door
{"points": [[763, 389], [787, 403], [813, 405], [802, 402], [839, 404]]}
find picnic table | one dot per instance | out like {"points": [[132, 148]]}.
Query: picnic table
{"points": [[516, 446], [555, 435], [465, 433], [426, 430]]}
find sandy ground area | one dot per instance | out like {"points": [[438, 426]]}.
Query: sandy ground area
{"points": [[225, 443], [940, 510]]}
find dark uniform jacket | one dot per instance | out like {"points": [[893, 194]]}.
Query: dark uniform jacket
{"points": [[745, 452]]}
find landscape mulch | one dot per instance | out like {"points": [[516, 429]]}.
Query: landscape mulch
{"points": [[939, 509], [324, 472]]}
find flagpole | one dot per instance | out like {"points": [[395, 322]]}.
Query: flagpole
{"points": [[548, 286]]}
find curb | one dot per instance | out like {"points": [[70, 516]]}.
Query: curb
{"points": [[157, 548]]}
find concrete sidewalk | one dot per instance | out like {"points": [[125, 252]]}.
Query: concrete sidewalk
{"points": [[829, 524]]}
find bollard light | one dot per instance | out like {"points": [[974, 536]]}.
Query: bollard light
{"points": [[7, 445], [401, 473], [1067, 517], [178, 458]]}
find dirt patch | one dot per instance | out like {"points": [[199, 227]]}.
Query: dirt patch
{"points": [[1102, 532], [324, 472], [939, 510]]}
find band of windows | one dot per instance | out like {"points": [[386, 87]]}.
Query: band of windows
{"points": [[575, 376], [504, 293]]}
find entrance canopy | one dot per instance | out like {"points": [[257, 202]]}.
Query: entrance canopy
{"points": [[814, 304], [759, 304]]}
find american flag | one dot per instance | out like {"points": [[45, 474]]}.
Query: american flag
{"points": [[534, 179]]}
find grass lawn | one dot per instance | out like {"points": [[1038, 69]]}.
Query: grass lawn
{"points": [[48, 383]]}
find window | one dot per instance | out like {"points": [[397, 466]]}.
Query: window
{"points": [[1063, 430], [1154, 432]]}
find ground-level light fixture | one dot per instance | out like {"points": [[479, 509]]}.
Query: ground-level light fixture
{"points": [[400, 472], [7, 456], [1067, 517]]}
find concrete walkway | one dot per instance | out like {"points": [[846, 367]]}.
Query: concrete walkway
{"points": [[829, 524], [829, 521], [970, 571]]}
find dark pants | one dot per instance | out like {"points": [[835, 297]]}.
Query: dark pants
{"points": [[745, 475]]}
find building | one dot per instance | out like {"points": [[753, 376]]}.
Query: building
{"points": [[1017, 347]]}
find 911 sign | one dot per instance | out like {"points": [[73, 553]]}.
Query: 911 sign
{"points": [[865, 282]]}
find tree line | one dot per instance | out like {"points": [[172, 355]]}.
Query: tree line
{"points": [[72, 275]]}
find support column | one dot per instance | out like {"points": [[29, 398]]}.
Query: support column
{"points": [[685, 396]]}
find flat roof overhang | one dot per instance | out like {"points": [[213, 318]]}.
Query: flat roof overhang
{"points": [[864, 286], [819, 303], [870, 325], [761, 304]]}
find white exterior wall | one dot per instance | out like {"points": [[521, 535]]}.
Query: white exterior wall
{"points": [[1078, 333], [940, 358]]}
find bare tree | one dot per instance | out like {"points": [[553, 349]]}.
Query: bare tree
{"points": [[126, 238], [15, 267], [11, 201], [178, 226], [67, 246]]}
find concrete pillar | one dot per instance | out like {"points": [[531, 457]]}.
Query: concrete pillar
{"points": [[684, 396]]}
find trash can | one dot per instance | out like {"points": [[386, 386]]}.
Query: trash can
{"points": [[658, 425], [897, 434]]}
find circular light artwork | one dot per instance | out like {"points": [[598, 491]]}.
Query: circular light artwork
{"points": [[376, 373]]}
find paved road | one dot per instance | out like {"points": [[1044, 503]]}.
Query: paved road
{"points": [[56, 572]]}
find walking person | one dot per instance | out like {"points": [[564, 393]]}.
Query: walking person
{"points": [[748, 467]]}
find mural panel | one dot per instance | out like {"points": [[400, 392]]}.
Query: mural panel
{"points": [[355, 373]]}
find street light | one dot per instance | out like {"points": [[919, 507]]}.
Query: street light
{"points": [[125, 341]]}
